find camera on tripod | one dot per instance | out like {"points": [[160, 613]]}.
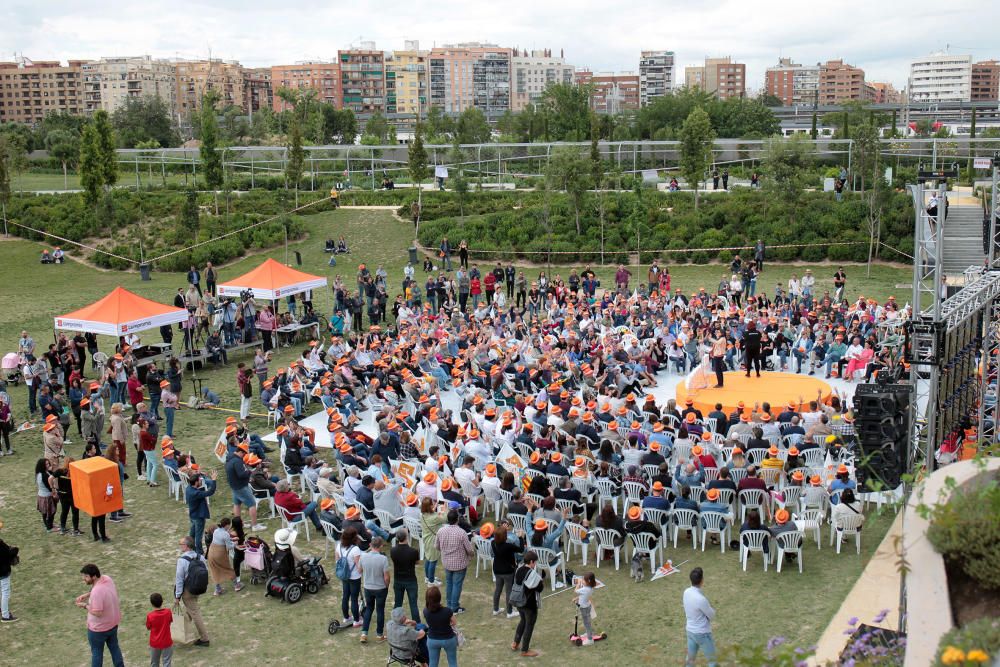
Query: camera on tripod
{"points": [[246, 295]]}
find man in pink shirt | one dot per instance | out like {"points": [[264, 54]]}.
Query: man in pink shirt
{"points": [[103, 615]]}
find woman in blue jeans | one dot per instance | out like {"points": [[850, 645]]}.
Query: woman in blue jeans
{"points": [[348, 548], [440, 629]]}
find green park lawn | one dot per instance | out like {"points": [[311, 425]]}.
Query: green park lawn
{"points": [[645, 621]]}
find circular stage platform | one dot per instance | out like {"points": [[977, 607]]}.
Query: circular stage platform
{"points": [[775, 388]]}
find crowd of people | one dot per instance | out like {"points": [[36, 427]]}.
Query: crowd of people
{"points": [[489, 413]]}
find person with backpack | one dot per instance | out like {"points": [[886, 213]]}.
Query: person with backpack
{"points": [[348, 570], [190, 582], [196, 497], [526, 596]]}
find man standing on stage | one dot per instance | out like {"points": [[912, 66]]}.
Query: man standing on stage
{"points": [[751, 347], [718, 355]]}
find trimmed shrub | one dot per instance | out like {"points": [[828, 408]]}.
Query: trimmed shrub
{"points": [[966, 531]]}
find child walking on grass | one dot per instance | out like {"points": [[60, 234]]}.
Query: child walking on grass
{"points": [[584, 602], [161, 646]]}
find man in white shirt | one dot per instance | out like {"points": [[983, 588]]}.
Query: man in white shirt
{"points": [[699, 615]]}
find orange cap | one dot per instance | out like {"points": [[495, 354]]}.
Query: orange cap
{"points": [[486, 531], [712, 494], [634, 512]]}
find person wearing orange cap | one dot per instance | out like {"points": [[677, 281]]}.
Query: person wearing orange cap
{"points": [[654, 456], [556, 465], [840, 482], [636, 524]]}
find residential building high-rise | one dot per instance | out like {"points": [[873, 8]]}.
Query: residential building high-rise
{"points": [[884, 93], [470, 75], [839, 82], [612, 92], [30, 90], [531, 74], [362, 79], [720, 76], [406, 80], [792, 83], [256, 88], [109, 81], [940, 77], [196, 77], [656, 75], [985, 81], [322, 77]]}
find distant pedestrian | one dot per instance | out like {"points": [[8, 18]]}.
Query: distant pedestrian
{"points": [[699, 615], [715, 178], [8, 558], [161, 645], [725, 179], [103, 615]]}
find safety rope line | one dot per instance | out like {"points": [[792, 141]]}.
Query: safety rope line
{"points": [[66, 240], [646, 250]]}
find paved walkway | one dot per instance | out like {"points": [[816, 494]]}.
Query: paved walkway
{"points": [[875, 590]]}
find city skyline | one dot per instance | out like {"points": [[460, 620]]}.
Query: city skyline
{"points": [[586, 32]]}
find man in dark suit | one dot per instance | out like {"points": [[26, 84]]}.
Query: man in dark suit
{"points": [[751, 347]]}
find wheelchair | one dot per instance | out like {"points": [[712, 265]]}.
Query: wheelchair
{"points": [[289, 580]]}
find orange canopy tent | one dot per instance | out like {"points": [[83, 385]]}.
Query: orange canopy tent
{"points": [[272, 280], [119, 313]]}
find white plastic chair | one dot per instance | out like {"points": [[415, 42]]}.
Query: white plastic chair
{"points": [[660, 519], [491, 494], [293, 520], [174, 484], [548, 560], [772, 477], [265, 498], [518, 522], [575, 532], [647, 544], [752, 541], [727, 497], [791, 497], [715, 523], [789, 542], [650, 471], [711, 474], [633, 493], [606, 542], [536, 498], [811, 519], [752, 499], [583, 485], [484, 554], [385, 520], [416, 532], [813, 457], [737, 475], [845, 525], [684, 519], [554, 480], [332, 536], [607, 492]]}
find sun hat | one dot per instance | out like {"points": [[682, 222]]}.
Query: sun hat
{"points": [[285, 538], [634, 512]]}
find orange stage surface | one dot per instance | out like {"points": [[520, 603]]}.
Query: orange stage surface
{"points": [[775, 388]]}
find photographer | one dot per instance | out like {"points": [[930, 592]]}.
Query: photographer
{"points": [[229, 321], [248, 308]]}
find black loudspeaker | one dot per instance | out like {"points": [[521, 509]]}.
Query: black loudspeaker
{"points": [[882, 423]]}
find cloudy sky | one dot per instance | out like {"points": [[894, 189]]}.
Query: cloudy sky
{"points": [[880, 37]]}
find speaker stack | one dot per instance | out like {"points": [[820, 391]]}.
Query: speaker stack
{"points": [[882, 422]]}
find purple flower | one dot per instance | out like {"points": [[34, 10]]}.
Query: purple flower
{"points": [[849, 663], [881, 616], [802, 663], [853, 620], [775, 642]]}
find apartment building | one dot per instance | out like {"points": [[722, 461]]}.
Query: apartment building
{"points": [[30, 90], [720, 76], [196, 77], [941, 77], [884, 93], [257, 92], [363, 79], [839, 82], [985, 81], [470, 75], [109, 81], [406, 87], [656, 75], [612, 92], [323, 77], [532, 73], [794, 84]]}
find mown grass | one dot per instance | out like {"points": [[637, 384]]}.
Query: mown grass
{"points": [[645, 622]]}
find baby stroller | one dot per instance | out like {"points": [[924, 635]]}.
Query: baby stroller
{"points": [[10, 368], [258, 559]]}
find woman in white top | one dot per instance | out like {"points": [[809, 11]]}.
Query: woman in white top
{"points": [[348, 548], [794, 287], [46, 498], [736, 289]]}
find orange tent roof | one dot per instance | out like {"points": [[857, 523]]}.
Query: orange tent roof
{"points": [[272, 280], [121, 312]]}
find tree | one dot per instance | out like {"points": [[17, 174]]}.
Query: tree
{"points": [[785, 160], [142, 119], [64, 146], [596, 167], [439, 126], [377, 127], [15, 138], [91, 179], [417, 158], [188, 217], [697, 138], [211, 159], [106, 157], [296, 157], [567, 106], [568, 170], [769, 100], [867, 147], [472, 127], [4, 179], [459, 183]]}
